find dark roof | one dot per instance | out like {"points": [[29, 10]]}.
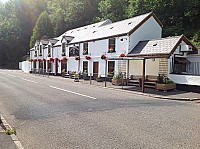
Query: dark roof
{"points": [[156, 46], [44, 41], [162, 46]]}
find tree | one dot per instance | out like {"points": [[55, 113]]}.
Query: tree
{"points": [[43, 27], [114, 10]]}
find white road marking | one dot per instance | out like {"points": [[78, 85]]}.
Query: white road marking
{"points": [[28, 80], [11, 75], [72, 92]]}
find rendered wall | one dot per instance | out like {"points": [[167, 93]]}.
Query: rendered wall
{"points": [[26, 66], [149, 30], [185, 79], [136, 67]]}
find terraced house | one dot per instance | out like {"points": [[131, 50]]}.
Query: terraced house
{"points": [[134, 46]]}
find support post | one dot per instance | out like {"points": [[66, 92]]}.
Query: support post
{"points": [[127, 78], [90, 78], [143, 76], [105, 71]]}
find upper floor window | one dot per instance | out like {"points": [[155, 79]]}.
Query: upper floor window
{"points": [[74, 51], [35, 55], [63, 49], [49, 51], [85, 48], [40, 50], [111, 46]]}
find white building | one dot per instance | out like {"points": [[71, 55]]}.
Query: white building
{"points": [[138, 37]]}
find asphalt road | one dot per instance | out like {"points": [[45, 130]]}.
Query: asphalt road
{"points": [[58, 113]]}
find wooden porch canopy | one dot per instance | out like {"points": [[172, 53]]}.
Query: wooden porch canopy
{"points": [[137, 57]]}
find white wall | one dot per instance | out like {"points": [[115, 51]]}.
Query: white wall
{"points": [[20, 65], [185, 79], [149, 30], [26, 66], [136, 67]]}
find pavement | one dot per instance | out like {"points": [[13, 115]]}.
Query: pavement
{"points": [[149, 91], [6, 142], [58, 113]]}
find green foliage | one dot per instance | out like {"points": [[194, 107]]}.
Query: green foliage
{"points": [[12, 131], [164, 80], [42, 28], [19, 29], [114, 10]]}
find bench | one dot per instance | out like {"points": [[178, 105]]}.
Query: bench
{"points": [[151, 80]]}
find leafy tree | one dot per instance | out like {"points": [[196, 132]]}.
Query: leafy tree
{"points": [[114, 10], [43, 27]]}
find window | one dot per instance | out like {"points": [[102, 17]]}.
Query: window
{"points": [[85, 48], [74, 51], [85, 66], [111, 66], [49, 50], [63, 49], [111, 47], [40, 50], [35, 55], [180, 64]]}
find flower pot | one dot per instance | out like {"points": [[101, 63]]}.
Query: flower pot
{"points": [[165, 87], [118, 81]]}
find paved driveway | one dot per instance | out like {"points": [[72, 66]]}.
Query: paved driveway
{"points": [[58, 113]]}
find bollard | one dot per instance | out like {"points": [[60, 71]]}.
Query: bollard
{"points": [[122, 80], [90, 79]]}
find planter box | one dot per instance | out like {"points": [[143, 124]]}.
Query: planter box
{"points": [[99, 79], [118, 81], [165, 87], [86, 77]]}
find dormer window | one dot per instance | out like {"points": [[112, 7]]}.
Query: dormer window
{"points": [[49, 51], [85, 48], [40, 50], [111, 46], [35, 53], [63, 49]]}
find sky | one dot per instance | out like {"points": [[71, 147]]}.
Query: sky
{"points": [[3, 1]]}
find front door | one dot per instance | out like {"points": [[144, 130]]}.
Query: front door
{"points": [[56, 67], [34, 64], [40, 64], [95, 69], [49, 66], [63, 66], [44, 63]]}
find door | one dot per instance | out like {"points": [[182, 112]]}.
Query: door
{"points": [[40, 64], [56, 67], [95, 69], [34, 64], [49, 66], [63, 66], [44, 64]]}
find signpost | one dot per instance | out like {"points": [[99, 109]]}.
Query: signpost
{"points": [[76, 77]]}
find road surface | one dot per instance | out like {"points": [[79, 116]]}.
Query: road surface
{"points": [[59, 114]]}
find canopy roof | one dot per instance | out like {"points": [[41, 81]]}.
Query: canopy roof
{"points": [[162, 46]]}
